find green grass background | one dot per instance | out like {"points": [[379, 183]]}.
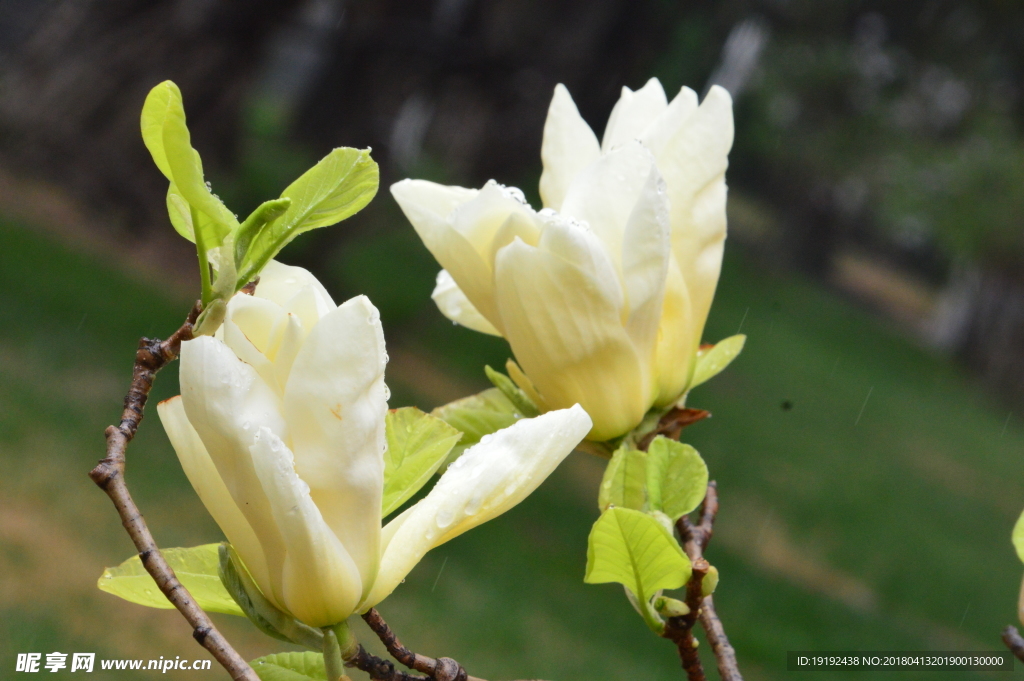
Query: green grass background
{"points": [[874, 514]]}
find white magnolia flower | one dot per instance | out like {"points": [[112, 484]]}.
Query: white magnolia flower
{"points": [[603, 294], [280, 429]]}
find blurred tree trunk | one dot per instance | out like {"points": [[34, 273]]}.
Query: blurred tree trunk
{"points": [[72, 90]]}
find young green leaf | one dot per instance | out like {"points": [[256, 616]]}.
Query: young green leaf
{"points": [[624, 480], [1018, 537], [305, 666], [259, 219], [677, 477], [418, 444], [513, 392], [633, 549], [712, 361], [478, 415], [337, 187], [160, 100], [196, 568]]}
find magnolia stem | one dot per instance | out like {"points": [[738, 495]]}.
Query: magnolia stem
{"points": [[1013, 641], [151, 356]]}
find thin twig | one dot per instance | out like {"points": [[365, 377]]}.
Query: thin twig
{"points": [[679, 630], [696, 538], [152, 356], [441, 669], [379, 669], [1013, 641]]}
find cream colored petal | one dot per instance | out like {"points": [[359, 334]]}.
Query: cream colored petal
{"points": [[606, 192], [677, 342], [335, 402], [226, 402], [210, 487], [285, 342], [524, 383], [488, 479], [306, 305], [247, 331], [663, 128], [480, 220], [422, 203], [322, 585], [579, 246], [569, 146], [454, 305], [569, 338], [280, 283], [646, 251], [633, 113], [693, 164]]}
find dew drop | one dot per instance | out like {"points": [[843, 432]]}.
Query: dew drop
{"points": [[444, 518]]}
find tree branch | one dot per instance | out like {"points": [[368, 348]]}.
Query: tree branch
{"points": [[1013, 641], [696, 538], [441, 669], [152, 356]]}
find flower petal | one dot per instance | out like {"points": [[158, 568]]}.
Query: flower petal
{"points": [[663, 128], [210, 487], [606, 192], [488, 479], [335, 402], [566, 332], [677, 343], [280, 283], [693, 164], [454, 305], [322, 585], [569, 146], [225, 400], [633, 113], [423, 203], [646, 250]]}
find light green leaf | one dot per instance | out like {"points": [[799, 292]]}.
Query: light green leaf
{"points": [[633, 549], [337, 187], [305, 666], [713, 360], [677, 477], [180, 212], [196, 568], [418, 444], [478, 415], [1018, 537], [187, 174], [258, 220], [155, 110], [624, 480], [514, 393]]}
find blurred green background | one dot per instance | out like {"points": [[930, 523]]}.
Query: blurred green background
{"points": [[867, 443]]}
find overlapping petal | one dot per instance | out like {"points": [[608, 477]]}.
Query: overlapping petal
{"points": [[488, 479]]}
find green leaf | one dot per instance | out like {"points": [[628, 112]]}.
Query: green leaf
{"points": [[677, 477], [257, 608], [512, 392], [713, 360], [1018, 537], [196, 568], [633, 549], [258, 220], [478, 415], [155, 110], [337, 187], [418, 444], [624, 480], [305, 666]]}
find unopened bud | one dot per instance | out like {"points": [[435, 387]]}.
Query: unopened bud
{"points": [[710, 581], [670, 607]]}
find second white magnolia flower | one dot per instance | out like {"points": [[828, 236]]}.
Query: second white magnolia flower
{"points": [[603, 294], [280, 428]]}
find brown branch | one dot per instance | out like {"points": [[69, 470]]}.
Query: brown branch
{"points": [[679, 630], [696, 538], [152, 356], [1013, 641], [441, 669], [379, 669]]}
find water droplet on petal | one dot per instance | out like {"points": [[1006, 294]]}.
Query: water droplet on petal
{"points": [[444, 518]]}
